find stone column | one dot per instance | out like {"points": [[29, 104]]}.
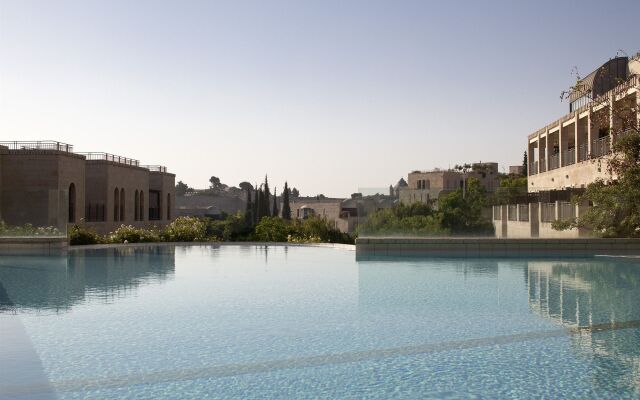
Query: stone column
{"points": [[560, 155], [589, 138], [611, 102], [575, 139], [547, 152]]}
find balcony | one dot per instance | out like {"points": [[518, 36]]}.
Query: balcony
{"points": [[543, 165], [38, 145], [533, 168], [601, 147], [554, 161], [583, 152], [111, 158], [155, 168], [569, 157]]}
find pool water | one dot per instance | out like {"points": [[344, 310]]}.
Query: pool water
{"points": [[255, 322]]}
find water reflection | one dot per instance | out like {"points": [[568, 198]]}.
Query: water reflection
{"points": [[45, 283], [592, 294]]}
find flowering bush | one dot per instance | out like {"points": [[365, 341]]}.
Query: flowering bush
{"points": [[131, 234], [80, 235], [27, 230], [185, 229]]}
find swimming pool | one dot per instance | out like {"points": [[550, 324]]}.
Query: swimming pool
{"points": [[304, 322]]}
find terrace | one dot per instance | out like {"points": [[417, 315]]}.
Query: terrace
{"points": [[111, 158], [38, 145]]}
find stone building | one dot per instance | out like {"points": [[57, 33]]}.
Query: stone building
{"points": [[573, 151], [45, 183], [426, 186]]}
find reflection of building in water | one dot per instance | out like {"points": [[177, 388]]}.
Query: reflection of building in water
{"points": [[57, 283], [593, 294]]}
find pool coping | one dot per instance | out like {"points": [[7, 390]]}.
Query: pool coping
{"points": [[340, 246], [468, 247]]}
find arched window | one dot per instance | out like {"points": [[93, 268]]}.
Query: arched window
{"points": [[72, 203], [136, 206], [168, 205], [141, 212], [116, 204], [122, 204]]}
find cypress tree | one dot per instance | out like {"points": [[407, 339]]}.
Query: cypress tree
{"points": [[266, 199], [248, 213], [260, 203], [255, 204], [286, 207], [274, 212], [525, 165]]}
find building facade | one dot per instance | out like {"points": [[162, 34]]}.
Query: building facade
{"points": [[428, 186], [573, 151], [45, 183]]}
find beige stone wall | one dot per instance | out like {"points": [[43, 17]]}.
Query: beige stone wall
{"points": [[165, 184], [573, 176], [35, 187]]}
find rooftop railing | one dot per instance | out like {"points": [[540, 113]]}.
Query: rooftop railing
{"points": [[38, 145], [155, 168], [111, 157]]}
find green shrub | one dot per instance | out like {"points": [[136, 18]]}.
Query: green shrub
{"points": [[272, 229], [131, 234], [79, 235], [28, 230], [185, 229], [319, 230]]}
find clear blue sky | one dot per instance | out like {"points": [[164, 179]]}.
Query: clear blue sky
{"points": [[329, 95]]}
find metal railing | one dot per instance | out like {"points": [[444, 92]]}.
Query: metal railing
{"points": [[601, 147], [547, 212], [523, 212], [38, 145], [111, 157], [497, 213], [533, 168], [583, 152], [543, 165], [155, 168], [569, 157], [512, 212], [554, 161], [566, 211]]}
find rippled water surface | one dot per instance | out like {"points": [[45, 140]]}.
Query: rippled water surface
{"points": [[301, 322]]}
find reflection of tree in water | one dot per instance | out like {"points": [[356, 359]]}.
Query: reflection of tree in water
{"points": [[57, 283], [595, 293]]}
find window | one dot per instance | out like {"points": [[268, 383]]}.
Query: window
{"points": [[72, 203], [141, 211], [122, 204], [168, 205], [154, 205], [116, 204], [136, 205]]}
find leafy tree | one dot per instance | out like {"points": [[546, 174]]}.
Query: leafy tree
{"points": [[463, 214], [295, 193], [214, 182], [272, 229], [245, 186], [511, 187], [286, 206], [181, 188]]}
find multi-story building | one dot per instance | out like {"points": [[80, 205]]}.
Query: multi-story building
{"points": [[427, 186], [573, 151], [44, 183]]}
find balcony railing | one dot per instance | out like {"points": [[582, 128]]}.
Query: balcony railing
{"points": [[523, 212], [512, 212], [569, 157], [38, 145], [554, 161], [533, 168], [548, 212], [112, 158], [583, 152], [543, 165], [566, 211], [155, 168], [601, 147]]}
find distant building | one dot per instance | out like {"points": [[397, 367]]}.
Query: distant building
{"points": [[427, 186], [44, 183], [516, 170]]}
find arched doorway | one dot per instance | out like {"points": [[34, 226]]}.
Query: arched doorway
{"points": [[72, 203], [141, 212], [136, 206], [168, 205], [116, 204], [122, 204]]}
